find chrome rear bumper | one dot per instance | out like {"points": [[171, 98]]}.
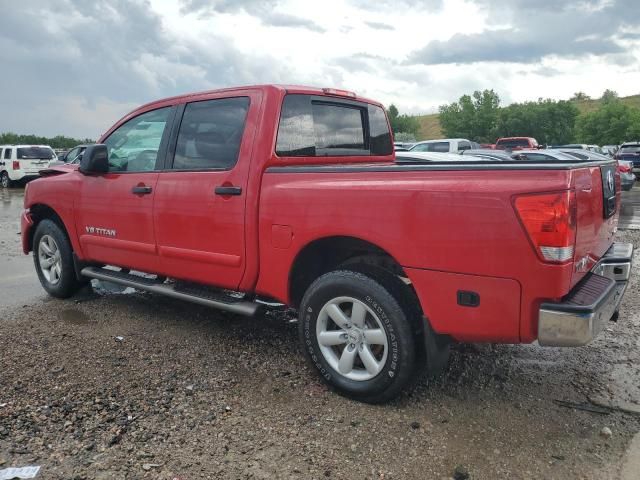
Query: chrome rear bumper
{"points": [[584, 312]]}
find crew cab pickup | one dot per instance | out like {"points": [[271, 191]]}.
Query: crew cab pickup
{"points": [[249, 196]]}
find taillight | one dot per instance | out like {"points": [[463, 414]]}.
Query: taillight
{"points": [[16, 165], [550, 221], [339, 93], [624, 167]]}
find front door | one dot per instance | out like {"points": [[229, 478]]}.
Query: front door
{"points": [[200, 200], [115, 210]]}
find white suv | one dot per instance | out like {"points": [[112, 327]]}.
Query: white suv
{"points": [[444, 145], [23, 162]]}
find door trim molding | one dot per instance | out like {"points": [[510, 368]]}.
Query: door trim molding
{"points": [[118, 244], [223, 259]]}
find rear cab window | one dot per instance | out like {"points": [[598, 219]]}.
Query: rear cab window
{"points": [[520, 142], [316, 126]]}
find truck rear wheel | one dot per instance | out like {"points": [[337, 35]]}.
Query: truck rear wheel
{"points": [[53, 259], [357, 336]]}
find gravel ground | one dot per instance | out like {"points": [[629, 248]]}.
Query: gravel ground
{"points": [[127, 386]]}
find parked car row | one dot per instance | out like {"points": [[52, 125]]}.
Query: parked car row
{"points": [[560, 154]]}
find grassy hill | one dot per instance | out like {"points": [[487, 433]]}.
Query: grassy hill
{"points": [[430, 125]]}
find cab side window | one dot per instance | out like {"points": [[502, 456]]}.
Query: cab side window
{"points": [[211, 134], [134, 145], [72, 155]]}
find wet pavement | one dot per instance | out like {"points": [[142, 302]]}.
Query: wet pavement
{"points": [[630, 209], [104, 385], [18, 281]]}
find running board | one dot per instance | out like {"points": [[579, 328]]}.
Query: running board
{"points": [[149, 285]]}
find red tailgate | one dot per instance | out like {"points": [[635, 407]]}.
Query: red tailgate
{"points": [[596, 222]]}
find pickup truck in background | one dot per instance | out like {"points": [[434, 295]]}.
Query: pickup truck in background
{"points": [[233, 198], [516, 143]]}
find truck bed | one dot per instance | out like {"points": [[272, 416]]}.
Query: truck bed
{"points": [[450, 225]]}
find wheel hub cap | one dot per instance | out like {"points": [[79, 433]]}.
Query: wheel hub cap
{"points": [[49, 259], [355, 336], [352, 339]]}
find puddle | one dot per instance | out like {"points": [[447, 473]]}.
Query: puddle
{"points": [[73, 317]]}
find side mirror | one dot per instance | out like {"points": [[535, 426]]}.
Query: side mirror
{"points": [[95, 160]]}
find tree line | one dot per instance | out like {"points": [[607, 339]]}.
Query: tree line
{"points": [[479, 117], [59, 141]]}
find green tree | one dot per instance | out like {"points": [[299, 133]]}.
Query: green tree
{"points": [[548, 121], [59, 141], [402, 123], [611, 124], [472, 116], [580, 97], [609, 96]]}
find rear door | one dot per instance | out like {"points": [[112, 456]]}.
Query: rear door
{"points": [[200, 202]]}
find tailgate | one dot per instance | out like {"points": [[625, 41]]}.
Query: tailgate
{"points": [[598, 204], [33, 166]]}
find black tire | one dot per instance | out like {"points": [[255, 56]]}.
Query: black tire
{"points": [[67, 283], [5, 181], [397, 370], [432, 350]]}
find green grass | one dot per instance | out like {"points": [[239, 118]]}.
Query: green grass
{"points": [[430, 125]]}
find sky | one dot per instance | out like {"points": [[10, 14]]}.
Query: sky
{"points": [[74, 67]]}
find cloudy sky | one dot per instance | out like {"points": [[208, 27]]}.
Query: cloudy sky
{"points": [[74, 67]]}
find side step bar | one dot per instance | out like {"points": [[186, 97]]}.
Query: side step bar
{"points": [[141, 283]]}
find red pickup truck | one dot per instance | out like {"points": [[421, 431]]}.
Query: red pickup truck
{"points": [[240, 197]]}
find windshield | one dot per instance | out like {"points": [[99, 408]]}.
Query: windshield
{"points": [[35, 153], [516, 142], [630, 149]]}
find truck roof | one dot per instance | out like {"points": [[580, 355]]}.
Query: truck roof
{"points": [[300, 89]]}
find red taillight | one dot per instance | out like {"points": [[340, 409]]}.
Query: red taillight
{"points": [[550, 221], [624, 167], [16, 165]]}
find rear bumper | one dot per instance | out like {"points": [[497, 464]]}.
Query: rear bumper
{"points": [[584, 312]]}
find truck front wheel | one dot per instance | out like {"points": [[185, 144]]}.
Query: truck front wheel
{"points": [[357, 336], [53, 259]]}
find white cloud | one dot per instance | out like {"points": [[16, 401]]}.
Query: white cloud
{"points": [[93, 61]]}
